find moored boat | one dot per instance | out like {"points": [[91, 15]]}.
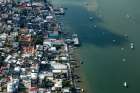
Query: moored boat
{"points": [[125, 84], [132, 45], [75, 40]]}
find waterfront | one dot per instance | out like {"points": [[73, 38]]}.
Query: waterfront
{"points": [[34, 51], [104, 71]]}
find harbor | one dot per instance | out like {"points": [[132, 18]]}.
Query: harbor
{"points": [[106, 28], [69, 46], [35, 54]]}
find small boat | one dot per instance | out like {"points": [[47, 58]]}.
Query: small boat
{"points": [[81, 62], [95, 26], [127, 16], [75, 40], [125, 35], [125, 84], [124, 60], [132, 45], [59, 11], [122, 48], [113, 40], [90, 18], [82, 90]]}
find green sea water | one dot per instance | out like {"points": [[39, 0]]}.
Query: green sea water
{"points": [[104, 44]]}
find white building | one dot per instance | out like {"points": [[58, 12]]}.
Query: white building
{"points": [[59, 68]]}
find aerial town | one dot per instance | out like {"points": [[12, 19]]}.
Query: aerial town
{"points": [[35, 54]]}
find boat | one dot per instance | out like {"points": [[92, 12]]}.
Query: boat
{"points": [[62, 11], [125, 84], [132, 45], [82, 90], [113, 40], [59, 11], [81, 62], [95, 26], [69, 41], [90, 18], [122, 48], [75, 40], [124, 60], [125, 35], [127, 16]]}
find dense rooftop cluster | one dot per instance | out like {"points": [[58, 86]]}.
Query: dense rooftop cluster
{"points": [[34, 56]]}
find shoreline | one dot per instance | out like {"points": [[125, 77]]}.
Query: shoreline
{"points": [[77, 70], [29, 63]]}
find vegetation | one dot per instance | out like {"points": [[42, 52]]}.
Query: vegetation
{"points": [[22, 88], [66, 83], [46, 84]]}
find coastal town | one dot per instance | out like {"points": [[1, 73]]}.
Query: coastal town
{"points": [[35, 53]]}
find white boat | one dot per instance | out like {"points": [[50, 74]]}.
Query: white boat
{"points": [[124, 60], [75, 40], [59, 11], [125, 84], [95, 26], [132, 45], [90, 18]]}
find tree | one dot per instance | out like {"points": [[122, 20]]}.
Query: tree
{"points": [[66, 83]]}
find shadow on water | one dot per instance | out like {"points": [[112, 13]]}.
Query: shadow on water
{"points": [[77, 18], [103, 38]]}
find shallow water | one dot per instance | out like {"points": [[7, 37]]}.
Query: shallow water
{"points": [[104, 70]]}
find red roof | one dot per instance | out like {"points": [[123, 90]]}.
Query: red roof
{"points": [[33, 89], [28, 49], [23, 5]]}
